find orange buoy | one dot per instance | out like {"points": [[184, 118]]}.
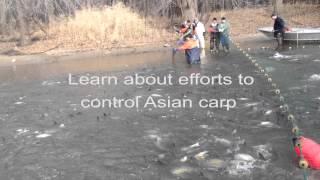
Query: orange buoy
{"points": [[310, 151]]}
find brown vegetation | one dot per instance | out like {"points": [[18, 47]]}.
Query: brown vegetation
{"points": [[121, 25], [110, 27]]}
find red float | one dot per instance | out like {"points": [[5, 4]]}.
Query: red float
{"points": [[311, 152]]}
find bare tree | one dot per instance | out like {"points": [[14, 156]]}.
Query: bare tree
{"points": [[23, 17], [277, 6]]}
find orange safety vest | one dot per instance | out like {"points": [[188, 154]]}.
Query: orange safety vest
{"points": [[190, 44], [183, 30]]}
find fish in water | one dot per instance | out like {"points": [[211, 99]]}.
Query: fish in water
{"points": [[43, 135], [241, 165], [181, 171], [266, 124], [315, 77], [268, 112], [163, 143], [277, 55], [201, 156], [263, 151], [184, 159], [215, 163], [244, 157], [223, 141]]}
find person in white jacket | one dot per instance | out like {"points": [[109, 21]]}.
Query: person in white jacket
{"points": [[199, 32]]}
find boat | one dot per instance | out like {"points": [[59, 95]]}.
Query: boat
{"points": [[295, 34]]}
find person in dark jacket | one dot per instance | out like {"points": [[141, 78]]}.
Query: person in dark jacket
{"points": [[214, 35], [278, 29]]}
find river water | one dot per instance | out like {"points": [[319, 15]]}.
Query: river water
{"points": [[47, 135]]}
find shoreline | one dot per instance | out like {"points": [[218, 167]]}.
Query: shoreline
{"points": [[55, 56], [63, 55]]}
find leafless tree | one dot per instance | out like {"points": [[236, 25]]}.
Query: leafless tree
{"points": [[23, 17]]}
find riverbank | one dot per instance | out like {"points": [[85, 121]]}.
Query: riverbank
{"points": [[75, 39], [106, 29], [62, 55]]}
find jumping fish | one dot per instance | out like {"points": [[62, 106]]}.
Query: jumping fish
{"points": [[223, 141], [43, 135], [315, 77], [196, 145], [268, 112], [201, 155], [180, 171], [251, 104], [19, 103], [244, 157], [277, 55], [243, 99], [156, 95], [266, 124]]}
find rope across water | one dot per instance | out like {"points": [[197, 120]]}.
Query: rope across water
{"points": [[296, 133]]}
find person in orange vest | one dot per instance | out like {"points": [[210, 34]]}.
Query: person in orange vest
{"points": [[192, 51], [185, 29]]}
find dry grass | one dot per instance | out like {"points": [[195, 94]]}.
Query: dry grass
{"points": [[246, 21], [110, 27], [118, 26], [299, 15]]}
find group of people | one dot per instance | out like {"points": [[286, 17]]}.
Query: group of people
{"points": [[192, 38], [219, 34]]}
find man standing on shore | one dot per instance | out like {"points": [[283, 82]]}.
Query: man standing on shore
{"points": [[278, 29], [199, 32], [214, 35], [224, 29]]}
